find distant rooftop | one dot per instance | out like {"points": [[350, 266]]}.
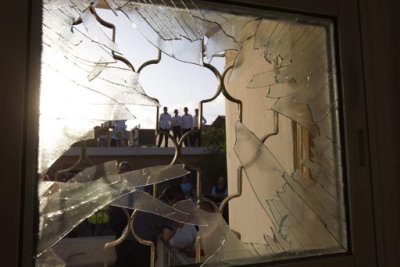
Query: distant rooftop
{"points": [[219, 122]]}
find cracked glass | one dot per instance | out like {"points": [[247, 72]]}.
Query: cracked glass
{"points": [[283, 147]]}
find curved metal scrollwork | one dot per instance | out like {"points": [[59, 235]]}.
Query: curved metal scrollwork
{"points": [[178, 145], [82, 156]]}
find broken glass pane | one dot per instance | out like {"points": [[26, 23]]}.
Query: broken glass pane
{"points": [[104, 94], [286, 61]]}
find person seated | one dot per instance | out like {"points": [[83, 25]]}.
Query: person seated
{"points": [[184, 241]]}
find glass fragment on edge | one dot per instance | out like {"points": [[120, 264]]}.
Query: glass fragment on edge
{"points": [[64, 207], [144, 202], [49, 259], [218, 240]]}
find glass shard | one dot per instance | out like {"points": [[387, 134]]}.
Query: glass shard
{"points": [[96, 33], [300, 210], [49, 259], [89, 191], [219, 242], [65, 118], [298, 112], [245, 61], [142, 201], [183, 43]]}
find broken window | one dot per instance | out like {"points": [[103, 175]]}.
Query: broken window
{"points": [[283, 146]]}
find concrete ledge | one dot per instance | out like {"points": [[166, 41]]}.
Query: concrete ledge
{"points": [[136, 151]]}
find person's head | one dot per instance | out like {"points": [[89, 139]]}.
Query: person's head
{"points": [[124, 166], [196, 111], [173, 194], [186, 179], [176, 112], [185, 109], [165, 109], [186, 185], [221, 181]]}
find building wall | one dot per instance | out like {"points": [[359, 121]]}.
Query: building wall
{"points": [[245, 214]]}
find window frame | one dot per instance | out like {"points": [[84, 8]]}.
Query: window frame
{"points": [[362, 251]]}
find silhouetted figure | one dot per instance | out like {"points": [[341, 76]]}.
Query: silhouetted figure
{"points": [[134, 136], [196, 136], [165, 125], [176, 124], [187, 124], [219, 191], [186, 186], [147, 226]]}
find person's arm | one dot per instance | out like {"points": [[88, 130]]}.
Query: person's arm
{"points": [[213, 192], [204, 121], [169, 122], [189, 251], [168, 230]]}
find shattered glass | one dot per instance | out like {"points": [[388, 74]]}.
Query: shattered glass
{"points": [[64, 205], [303, 212], [50, 258], [285, 62]]}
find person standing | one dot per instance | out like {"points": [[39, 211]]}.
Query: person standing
{"points": [[165, 125], [148, 226], [187, 124], [184, 241], [176, 124], [196, 137], [134, 136]]}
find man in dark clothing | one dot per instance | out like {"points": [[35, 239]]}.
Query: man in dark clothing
{"points": [[147, 226]]}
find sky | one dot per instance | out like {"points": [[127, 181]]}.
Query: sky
{"points": [[174, 83]]}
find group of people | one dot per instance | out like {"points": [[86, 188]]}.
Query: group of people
{"points": [[112, 134], [180, 125], [153, 227]]}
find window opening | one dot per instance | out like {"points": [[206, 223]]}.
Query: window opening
{"points": [[278, 138]]}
